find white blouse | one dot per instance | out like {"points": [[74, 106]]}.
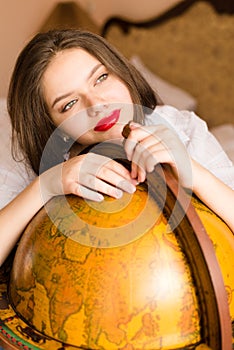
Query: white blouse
{"points": [[193, 132], [200, 143]]}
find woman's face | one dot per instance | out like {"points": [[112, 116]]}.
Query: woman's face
{"points": [[89, 103]]}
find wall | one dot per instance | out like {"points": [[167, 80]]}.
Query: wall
{"points": [[100, 10], [20, 19], [17, 25]]}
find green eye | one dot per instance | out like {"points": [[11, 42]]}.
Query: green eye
{"points": [[69, 105], [102, 78]]}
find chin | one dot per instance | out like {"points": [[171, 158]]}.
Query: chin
{"points": [[114, 133]]}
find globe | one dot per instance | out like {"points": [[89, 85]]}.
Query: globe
{"points": [[112, 275]]}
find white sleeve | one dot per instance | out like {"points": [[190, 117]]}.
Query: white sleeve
{"points": [[205, 148], [200, 143]]}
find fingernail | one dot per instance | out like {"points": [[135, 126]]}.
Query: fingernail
{"points": [[98, 197], [117, 193], [135, 182], [127, 187], [133, 125]]}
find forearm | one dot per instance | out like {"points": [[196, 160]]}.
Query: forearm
{"points": [[16, 215], [214, 193]]}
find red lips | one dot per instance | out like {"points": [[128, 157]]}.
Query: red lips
{"points": [[107, 122]]}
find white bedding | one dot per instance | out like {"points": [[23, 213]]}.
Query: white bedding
{"points": [[11, 172]]}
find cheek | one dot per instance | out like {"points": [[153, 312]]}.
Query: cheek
{"points": [[119, 92], [126, 113], [125, 96]]}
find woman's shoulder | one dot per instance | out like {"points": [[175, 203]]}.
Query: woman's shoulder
{"points": [[180, 117], [182, 121]]}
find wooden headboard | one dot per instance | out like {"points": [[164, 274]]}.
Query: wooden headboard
{"points": [[190, 46], [221, 6]]}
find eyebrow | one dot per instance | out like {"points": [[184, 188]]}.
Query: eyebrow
{"points": [[59, 98]]}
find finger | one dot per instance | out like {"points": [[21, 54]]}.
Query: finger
{"points": [[134, 170], [99, 165], [129, 146], [138, 161], [159, 154], [144, 152], [108, 172], [110, 176], [151, 161], [87, 193], [119, 169], [147, 158], [141, 174], [137, 134], [97, 184], [138, 173]]}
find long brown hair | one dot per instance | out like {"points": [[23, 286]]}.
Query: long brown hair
{"points": [[31, 121]]}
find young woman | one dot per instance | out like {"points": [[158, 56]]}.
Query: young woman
{"points": [[76, 83]]}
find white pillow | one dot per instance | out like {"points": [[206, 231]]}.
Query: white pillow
{"points": [[5, 130], [170, 94], [14, 176]]}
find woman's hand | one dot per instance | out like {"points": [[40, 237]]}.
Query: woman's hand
{"points": [[88, 176], [147, 146]]}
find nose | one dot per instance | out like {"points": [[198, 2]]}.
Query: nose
{"points": [[94, 104], [96, 109]]}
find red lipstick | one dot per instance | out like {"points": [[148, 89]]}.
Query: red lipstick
{"points": [[107, 122]]}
